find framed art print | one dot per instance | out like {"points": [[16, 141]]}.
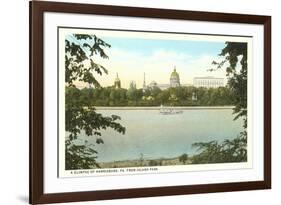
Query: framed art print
{"points": [[136, 102]]}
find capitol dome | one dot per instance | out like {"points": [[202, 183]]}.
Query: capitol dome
{"points": [[174, 79]]}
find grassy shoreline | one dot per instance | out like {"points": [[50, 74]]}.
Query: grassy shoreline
{"points": [[158, 107], [144, 162]]}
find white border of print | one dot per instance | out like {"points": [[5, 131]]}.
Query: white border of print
{"points": [[52, 183]]}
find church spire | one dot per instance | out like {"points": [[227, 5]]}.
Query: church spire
{"points": [[117, 82]]}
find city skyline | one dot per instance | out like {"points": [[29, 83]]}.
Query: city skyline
{"points": [[149, 83], [131, 56]]}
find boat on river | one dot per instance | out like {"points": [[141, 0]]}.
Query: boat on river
{"points": [[169, 110]]}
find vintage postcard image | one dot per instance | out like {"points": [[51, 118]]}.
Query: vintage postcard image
{"points": [[137, 102]]}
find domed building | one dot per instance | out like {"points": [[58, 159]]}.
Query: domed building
{"points": [[153, 84], [117, 82], [174, 82], [174, 79]]}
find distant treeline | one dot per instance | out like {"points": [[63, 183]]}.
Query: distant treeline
{"points": [[178, 96]]}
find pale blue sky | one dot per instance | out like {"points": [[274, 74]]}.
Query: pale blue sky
{"points": [[148, 46]]}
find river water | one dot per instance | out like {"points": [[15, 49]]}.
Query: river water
{"points": [[152, 135]]}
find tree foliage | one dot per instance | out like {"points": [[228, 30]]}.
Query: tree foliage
{"points": [[183, 158], [80, 156], [180, 96], [235, 57], [235, 54], [214, 152], [80, 51]]}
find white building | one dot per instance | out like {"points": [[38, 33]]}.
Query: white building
{"points": [[161, 86], [174, 82], [208, 82]]}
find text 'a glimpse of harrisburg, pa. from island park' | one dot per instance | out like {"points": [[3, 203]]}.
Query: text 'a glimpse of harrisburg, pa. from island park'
{"points": [[149, 102]]}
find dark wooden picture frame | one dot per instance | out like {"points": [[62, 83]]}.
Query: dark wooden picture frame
{"points": [[37, 9]]}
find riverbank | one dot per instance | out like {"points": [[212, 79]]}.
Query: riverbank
{"points": [[144, 163], [174, 107]]}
